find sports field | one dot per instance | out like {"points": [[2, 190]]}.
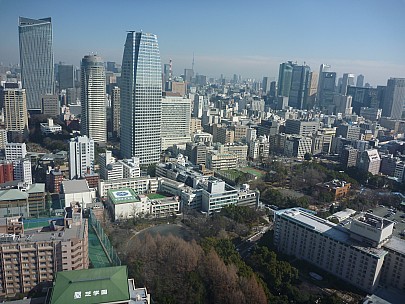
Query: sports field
{"points": [[97, 256], [155, 196], [37, 222], [256, 172]]}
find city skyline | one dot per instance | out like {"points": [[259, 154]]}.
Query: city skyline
{"points": [[227, 39]]}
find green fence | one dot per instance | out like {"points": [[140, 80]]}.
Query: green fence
{"points": [[105, 242]]}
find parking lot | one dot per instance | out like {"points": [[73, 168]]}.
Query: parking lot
{"points": [[399, 226]]}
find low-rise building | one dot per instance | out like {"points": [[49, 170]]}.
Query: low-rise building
{"points": [[139, 184], [77, 191], [336, 187], [50, 127], [96, 286], [125, 203]]}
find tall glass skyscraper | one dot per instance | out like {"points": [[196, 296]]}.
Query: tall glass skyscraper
{"points": [[93, 99], [300, 83], [36, 60], [141, 98], [284, 78]]}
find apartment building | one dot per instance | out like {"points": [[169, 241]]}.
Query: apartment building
{"points": [[360, 250], [32, 257]]}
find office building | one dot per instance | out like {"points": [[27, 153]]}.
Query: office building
{"points": [[297, 146], [300, 84], [196, 153], [360, 81], [50, 105], [141, 98], [266, 85], [188, 75], [394, 98], [363, 97], [284, 78], [130, 167], [216, 195], [34, 256], [348, 131], [50, 127], [15, 151], [81, 157], [370, 161], [326, 89], [22, 170], [66, 76], [15, 110], [348, 156], [116, 115], [221, 161], [93, 99], [176, 114], [36, 60], [343, 104], [347, 80], [259, 148], [303, 128], [139, 184]]}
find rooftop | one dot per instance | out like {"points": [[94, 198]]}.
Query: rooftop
{"points": [[396, 244], [335, 231], [12, 195], [97, 285], [123, 195], [75, 186]]}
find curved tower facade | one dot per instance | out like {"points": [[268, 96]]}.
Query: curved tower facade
{"points": [[141, 98], [93, 99]]}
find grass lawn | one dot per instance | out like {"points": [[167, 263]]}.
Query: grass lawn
{"points": [[155, 196], [255, 172]]}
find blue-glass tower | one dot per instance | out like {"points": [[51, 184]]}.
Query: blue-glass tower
{"points": [[141, 98], [36, 60]]}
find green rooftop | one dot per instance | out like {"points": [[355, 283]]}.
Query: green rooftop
{"points": [[122, 196], [91, 286]]}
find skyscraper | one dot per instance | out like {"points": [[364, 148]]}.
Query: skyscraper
{"points": [[66, 76], [266, 85], [93, 99], [300, 83], [348, 80], [284, 78], [326, 89], [176, 115], [115, 105], [360, 81], [81, 157], [141, 98], [36, 59], [15, 110], [394, 99]]}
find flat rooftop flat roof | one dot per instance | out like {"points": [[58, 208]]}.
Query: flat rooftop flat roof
{"points": [[396, 244], [123, 195], [75, 186], [329, 229]]}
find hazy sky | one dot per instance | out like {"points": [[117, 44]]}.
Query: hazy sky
{"points": [[250, 38]]}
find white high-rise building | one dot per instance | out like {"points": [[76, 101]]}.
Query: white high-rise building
{"points": [[141, 98], [22, 170], [176, 115], [93, 99], [15, 151], [81, 157]]}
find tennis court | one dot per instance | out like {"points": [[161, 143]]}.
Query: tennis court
{"points": [[38, 222], [97, 256]]}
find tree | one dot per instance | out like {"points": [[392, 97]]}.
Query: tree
{"points": [[307, 156]]}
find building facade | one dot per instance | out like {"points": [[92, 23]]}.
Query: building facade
{"points": [[141, 98], [36, 59], [93, 99], [81, 157]]}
